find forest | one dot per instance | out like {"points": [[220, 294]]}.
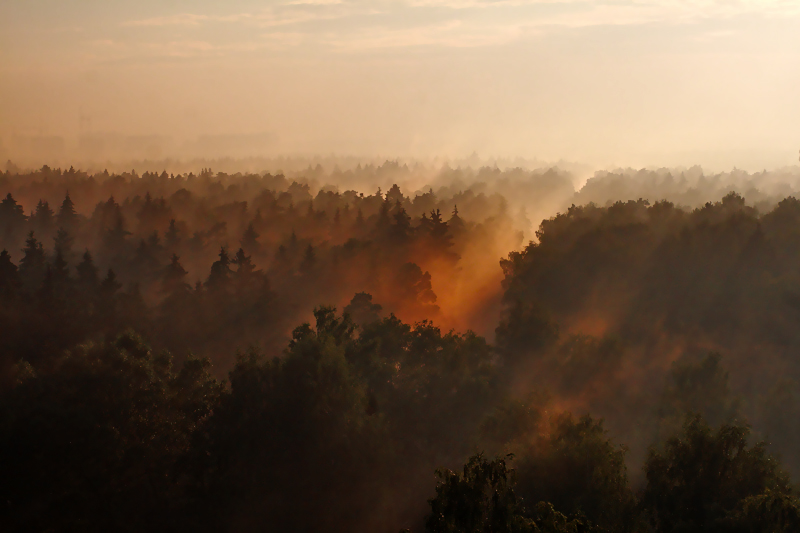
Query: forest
{"points": [[389, 348]]}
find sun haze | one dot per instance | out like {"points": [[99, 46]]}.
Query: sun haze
{"points": [[644, 82]]}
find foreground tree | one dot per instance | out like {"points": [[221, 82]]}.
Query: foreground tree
{"points": [[481, 499], [97, 440], [707, 480]]}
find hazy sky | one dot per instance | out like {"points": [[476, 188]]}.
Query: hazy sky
{"points": [[642, 82]]}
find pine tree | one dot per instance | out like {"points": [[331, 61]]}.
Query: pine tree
{"points": [[456, 223], [87, 272], [110, 285], [394, 194], [243, 263], [114, 239], [171, 238], [383, 217], [67, 218], [309, 260], [250, 238], [175, 277], [400, 231], [107, 303], [43, 219], [60, 269], [63, 242], [439, 231], [9, 277], [12, 216], [32, 264], [220, 271], [425, 227]]}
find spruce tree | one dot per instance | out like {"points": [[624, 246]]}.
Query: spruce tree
{"points": [[67, 218], [171, 238], [32, 264], [250, 238], [9, 277], [220, 271], [43, 219], [12, 216], [87, 272]]}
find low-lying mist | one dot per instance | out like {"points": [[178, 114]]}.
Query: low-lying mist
{"points": [[304, 344]]}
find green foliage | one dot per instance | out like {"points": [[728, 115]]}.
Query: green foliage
{"points": [[577, 468], [525, 330], [513, 422], [703, 479], [769, 512], [482, 500], [697, 387], [99, 437], [291, 444]]}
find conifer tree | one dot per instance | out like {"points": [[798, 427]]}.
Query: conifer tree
{"points": [[244, 264], [456, 223], [32, 264], [43, 219], [87, 272], [63, 242], [220, 271], [309, 259], [60, 269], [250, 238], [110, 285], [9, 277], [401, 229], [439, 231], [175, 277], [67, 217], [12, 216], [171, 238]]}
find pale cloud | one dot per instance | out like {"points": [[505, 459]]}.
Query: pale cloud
{"points": [[187, 19], [314, 3], [453, 33], [356, 25]]}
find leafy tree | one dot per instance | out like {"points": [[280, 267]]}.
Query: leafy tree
{"points": [[703, 477], [526, 330], [292, 441], [769, 512], [482, 500], [362, 310], [479, 500], [578, 469], [98, 440], [699, 387]]}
